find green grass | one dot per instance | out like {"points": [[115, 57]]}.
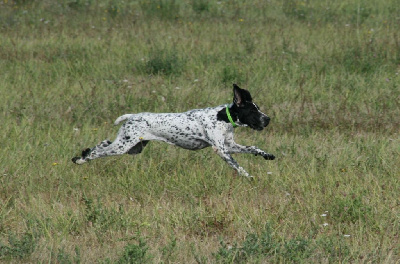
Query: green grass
{"points": [[327, 73]]}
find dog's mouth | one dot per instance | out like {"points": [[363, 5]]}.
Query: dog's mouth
{"points": [[256, 127]]}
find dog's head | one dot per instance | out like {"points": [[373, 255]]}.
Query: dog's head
{"points": [[246, 111]]}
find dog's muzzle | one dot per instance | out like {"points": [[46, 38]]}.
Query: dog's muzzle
{"points": [[265, 121]]}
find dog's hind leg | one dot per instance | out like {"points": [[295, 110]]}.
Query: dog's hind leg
{"points": [[137, 149], [106, 148]]}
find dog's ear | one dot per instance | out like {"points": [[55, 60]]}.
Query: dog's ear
{"points": [[240, 96]]}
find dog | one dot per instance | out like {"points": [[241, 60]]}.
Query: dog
{"points": [[193, 130]]}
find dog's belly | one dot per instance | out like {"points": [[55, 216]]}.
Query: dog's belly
{"points": [[194, 144], [186, 143]]}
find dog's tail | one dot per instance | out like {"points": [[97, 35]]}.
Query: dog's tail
{"points": [[122, 118]]}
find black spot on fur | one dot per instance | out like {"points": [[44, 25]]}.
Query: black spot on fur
{"points": [[85, 153]]}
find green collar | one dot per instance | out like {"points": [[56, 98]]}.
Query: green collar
{"points": [[229, 117]]}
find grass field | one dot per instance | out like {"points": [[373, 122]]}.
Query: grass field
{"points": [[326, 72]]}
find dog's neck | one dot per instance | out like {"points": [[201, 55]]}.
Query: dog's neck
{"points": [[222, 115]]}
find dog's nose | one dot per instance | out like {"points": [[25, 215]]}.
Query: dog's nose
{"points": [[266, 120]]}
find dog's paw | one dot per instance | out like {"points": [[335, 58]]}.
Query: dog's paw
{"points": [[75, 159], [78, 160], [250, 178], [269, 156], [81, 160]]}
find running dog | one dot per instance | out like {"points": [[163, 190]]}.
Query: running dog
{"points": [[193, 130]]}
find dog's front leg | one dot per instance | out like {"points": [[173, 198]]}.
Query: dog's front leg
{"points": [[236, 148], [231, 162]]}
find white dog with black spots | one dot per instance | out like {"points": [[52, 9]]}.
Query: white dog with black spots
{"points": [[193, 130]]}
